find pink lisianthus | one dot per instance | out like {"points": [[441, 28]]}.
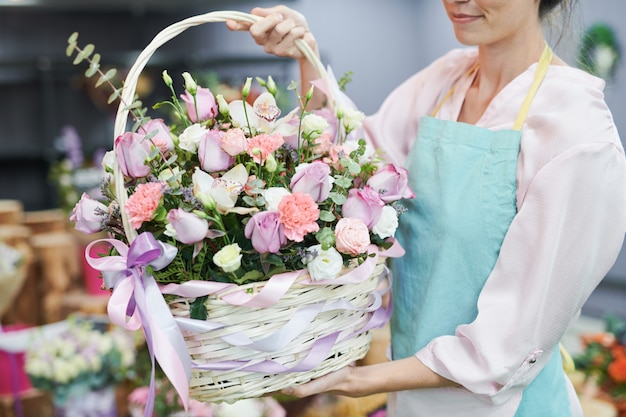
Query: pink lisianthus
{"points": [[234, 142], [212, 157], [391, 183], [323, 144], [162, 139], [205, 104], [364, 204], [259, 147], [299, 214], [266, 232], [88, 214], [352, 236], [313, 179], [142, 204], [186, 227], [132, 151]]}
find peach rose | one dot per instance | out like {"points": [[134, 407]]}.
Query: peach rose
{"points": [[352, 236]]}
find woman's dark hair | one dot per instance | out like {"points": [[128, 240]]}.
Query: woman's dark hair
{"points": [[547, 6]]}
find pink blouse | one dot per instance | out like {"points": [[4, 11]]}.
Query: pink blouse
{"points": [[571, 200]]}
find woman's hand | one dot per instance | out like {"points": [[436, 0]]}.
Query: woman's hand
{"points": [[278, 30]]}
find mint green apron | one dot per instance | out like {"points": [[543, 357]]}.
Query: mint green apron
{"points": [[464, 179]]}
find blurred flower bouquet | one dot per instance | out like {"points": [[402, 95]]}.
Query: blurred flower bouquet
{"points": [[268, 231], [73, 174], [13, 271], [80, 360], [603, 362]]}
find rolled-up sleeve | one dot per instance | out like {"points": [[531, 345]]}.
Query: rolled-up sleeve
{"points": [[566, 236]]}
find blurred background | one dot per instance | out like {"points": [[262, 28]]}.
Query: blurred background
{"points": [[48, 109]]}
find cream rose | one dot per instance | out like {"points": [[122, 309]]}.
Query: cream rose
{"points": [[228, 258], [352, 236], [387, 223], [273, 196], [191, 137]]}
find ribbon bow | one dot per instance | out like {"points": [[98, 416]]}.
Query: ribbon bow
{"points": [[137, 302]]}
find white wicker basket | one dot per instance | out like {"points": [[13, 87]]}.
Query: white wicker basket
{"points": [[347, 328]]}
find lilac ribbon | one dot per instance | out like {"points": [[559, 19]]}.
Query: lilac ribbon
{"points": [[137, 302]]}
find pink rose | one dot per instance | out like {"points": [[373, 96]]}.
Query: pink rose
{"points": [[392, 183], [352, 236], [234, 142], [132, 151], [299, 214], [266, 232], [142, 204], [187, 227], [204, 107], [212, 157], [88, 214], [313, 179], [364, 204], [162, 139]]}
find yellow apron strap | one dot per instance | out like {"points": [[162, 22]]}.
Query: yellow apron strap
{"points": [[451, 91], [542, 68]]}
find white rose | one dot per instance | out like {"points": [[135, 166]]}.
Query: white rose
{"points": [[108, 161], [387, 223], [191, 137], [248, 408], [272, 197], [228, 258], [326, 265], [313, 125], [352, 119]]}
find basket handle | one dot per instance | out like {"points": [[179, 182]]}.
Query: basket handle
{"points": [[130, 83]]}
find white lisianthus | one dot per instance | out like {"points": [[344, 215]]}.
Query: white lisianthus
{"points": [[190, 139], [326, 265], [387, 223], [352, 119], [273, 196], [228, 258], [313, 125], [108, 161]]}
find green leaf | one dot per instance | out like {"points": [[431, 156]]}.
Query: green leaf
{"points": [[92, 70], [326, 216], [249, 277], [73, 38], [343, 182], [107, 77], [84, 54], [197, 309], [70, 49], [114, 96], [337, 198]]}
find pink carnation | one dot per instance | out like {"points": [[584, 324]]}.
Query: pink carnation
{"points": [[142, 204], [298, 214], [259, 147]]}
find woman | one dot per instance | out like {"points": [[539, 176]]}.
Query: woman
{"points": [[520, 183]]}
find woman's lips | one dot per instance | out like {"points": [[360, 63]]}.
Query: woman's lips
{"points": [[462, 18]]}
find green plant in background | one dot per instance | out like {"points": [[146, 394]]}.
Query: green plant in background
{"points": [[599, 52]]}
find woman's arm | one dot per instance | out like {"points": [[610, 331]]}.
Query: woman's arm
{"points": [[277, 33], [360, 381]]}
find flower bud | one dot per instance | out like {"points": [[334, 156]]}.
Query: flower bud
{"points": [[271, 86], [270, 163], [190, 84], [245, 91], [167, 78], [222, 105], [309, 94]]}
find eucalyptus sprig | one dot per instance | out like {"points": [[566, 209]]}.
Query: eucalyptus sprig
{"points": [[87, 53]]}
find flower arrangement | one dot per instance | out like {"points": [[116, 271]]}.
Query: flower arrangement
{"points": [[10, 260], [603, 361], [81, 359], [239, 194], [599, 52]]}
